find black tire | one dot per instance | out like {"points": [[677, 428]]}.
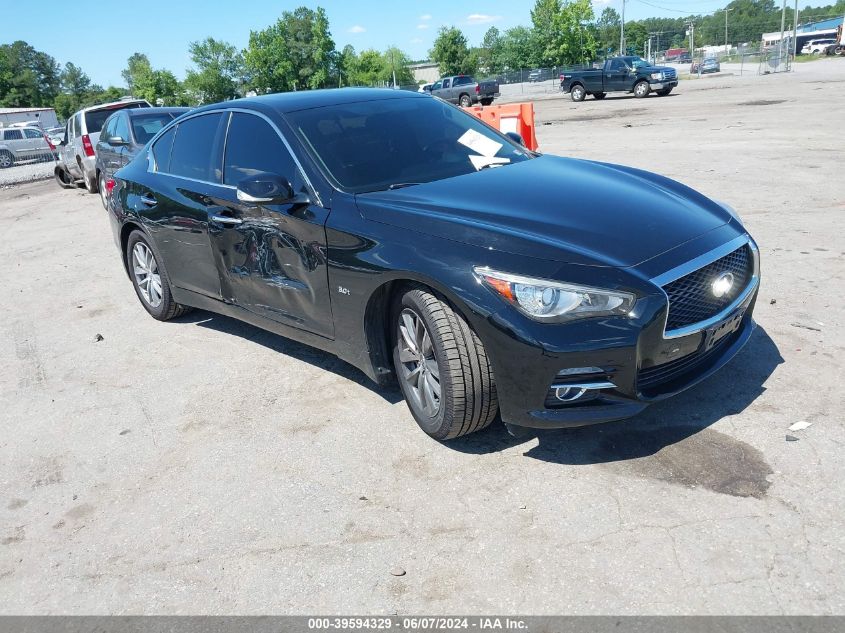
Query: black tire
{"points": [[468, 400], [664, 92], [486, 102], [101, 187], [6, 159], [63, 179], [641, 89], [167, 308], [90, 183], [599, 95], [577, 93], [464, 101]]}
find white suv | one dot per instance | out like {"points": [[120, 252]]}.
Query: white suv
{"points": [[23, 143], [816, 47], [77, 160]]}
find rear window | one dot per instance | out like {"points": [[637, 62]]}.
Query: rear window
{"points": [[13, 135], [197, 150], [145, 126], [94, 119], [161, 150]]}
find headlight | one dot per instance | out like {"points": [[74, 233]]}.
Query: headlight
{"points": [[657, 75], [545, 300]]}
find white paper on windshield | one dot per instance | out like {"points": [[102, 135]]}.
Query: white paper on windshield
{"points": [[480, 162], [479, 143]]}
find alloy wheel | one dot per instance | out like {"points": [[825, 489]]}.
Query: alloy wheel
{"points": [[641, 89], [5, 160], [147, 277], [418, 363], [103, 193]]}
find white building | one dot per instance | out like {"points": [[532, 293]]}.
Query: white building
{"points": [[45, 117]]}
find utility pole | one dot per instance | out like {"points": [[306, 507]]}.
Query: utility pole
{"points": [[622, 32], [795, 32], [727, 50], [782, 29], [691, 26]]}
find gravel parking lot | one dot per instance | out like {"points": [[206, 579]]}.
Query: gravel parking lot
{"points": [[26, 172], [204, 466]]}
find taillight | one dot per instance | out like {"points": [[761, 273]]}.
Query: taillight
{"points": [[477, 89], [86, 145], [109, 186], [52, 147]]}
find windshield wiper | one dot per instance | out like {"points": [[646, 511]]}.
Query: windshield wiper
{"points": [[400, 185]]}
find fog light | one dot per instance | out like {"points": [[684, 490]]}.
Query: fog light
{"points": [[569, 394]]}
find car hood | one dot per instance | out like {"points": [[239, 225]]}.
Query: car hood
{"points": [[560, 209]]}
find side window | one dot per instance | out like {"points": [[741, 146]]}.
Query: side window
{"points": [[462, 81], [108, 128], [121, 127], [32, 134], [161, 150], [77, 125], [13, 135], [253, 146], [446, 83], [437, 85], [196, 149]]}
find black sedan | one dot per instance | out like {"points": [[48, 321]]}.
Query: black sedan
{"points": [[418, 244], [124, 135]]}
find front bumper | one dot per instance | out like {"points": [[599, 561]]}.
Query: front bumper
{"points": [[661, 85], [641, 363]]}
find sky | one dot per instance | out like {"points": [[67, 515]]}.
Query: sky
{"points": [[100, 36]]}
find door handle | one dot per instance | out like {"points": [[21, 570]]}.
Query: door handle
{"points": [[226, 220], [148, 201]]}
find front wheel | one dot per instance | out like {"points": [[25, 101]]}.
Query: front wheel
{"points": [[6, 159], [641, 89], [150, 279], [577, 93], [465, 101], [442, 367]]}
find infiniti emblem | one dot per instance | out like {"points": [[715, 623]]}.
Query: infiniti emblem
{"points": [[722, 285]]}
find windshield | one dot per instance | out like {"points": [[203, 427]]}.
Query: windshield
{"points": [[373, 145], [637, 62]]}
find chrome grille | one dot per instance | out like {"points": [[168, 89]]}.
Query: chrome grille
{"points": [[691, 298], [670, 73]]}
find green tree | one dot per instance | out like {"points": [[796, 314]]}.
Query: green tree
{"points": [[561, 28], [490, 54], [156, 86], [608, 28], [75, 86], [396, 61], [138, 75], [452, 54], [28, 78], [296, 52], [519, 49], [218, 71]]}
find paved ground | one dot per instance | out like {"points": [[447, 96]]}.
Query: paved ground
{"points": [[203, 466], [26, 172]]}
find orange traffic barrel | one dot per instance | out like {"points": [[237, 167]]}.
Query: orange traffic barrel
{"points": [[511, 117]]}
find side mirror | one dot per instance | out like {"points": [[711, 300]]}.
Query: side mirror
{"points": [[117, 141], [516, 138], [266, 188]]}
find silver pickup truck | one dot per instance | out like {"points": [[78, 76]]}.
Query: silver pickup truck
{"points": [[465, 91]]}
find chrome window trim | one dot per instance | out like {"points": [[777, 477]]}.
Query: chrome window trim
{"points": [[225, 110], [700, 262]]}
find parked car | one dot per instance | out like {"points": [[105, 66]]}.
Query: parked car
{"points": [[124, 134], [55, 134], [620, 74], [684, 58], [535, 76], [23, 143], [418, 244], [708, 65], [816, 47], [77, 156], [425, 88], [465, 91]]}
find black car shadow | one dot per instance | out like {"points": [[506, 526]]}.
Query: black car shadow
{"points": [[282, 345], [728, 392]]}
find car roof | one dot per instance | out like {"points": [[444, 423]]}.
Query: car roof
{"points": [[133, 112], [284, 102], [112, 104]]}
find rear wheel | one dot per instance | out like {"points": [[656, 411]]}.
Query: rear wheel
{"points": [[442, 367], [465, 101], [486, 102], [104, 196], [599, 95], [577, 92], [641, 89], [90, 182], [63, 179], [6, 159], [150, 279]]}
